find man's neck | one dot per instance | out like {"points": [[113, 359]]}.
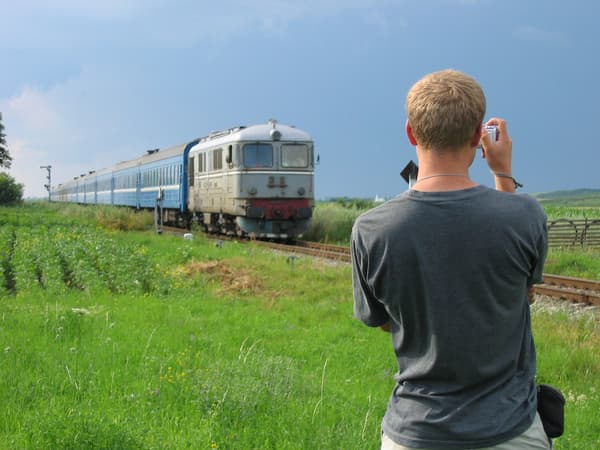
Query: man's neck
{"points": [[444, 171]]}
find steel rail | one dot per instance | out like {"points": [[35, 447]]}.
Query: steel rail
{"points": [[333, 252], [566, 293], [571, 282]]}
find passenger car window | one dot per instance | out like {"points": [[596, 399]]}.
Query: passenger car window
{"points": [[258, 155], [294, 155]]}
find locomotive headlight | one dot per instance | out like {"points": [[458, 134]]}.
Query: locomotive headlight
{"points": [[301, 191]]}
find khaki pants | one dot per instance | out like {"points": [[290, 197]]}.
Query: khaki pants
{"points": [[534, 438]]}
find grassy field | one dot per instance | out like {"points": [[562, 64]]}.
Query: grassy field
{"points": [[131, 340]]}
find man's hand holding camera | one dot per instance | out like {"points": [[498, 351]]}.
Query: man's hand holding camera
{"points": [[498, 154]]}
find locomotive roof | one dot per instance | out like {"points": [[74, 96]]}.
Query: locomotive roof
{"points": [[261, 132]]}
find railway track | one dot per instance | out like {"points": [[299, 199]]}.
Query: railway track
{"points": [[327, 251], [575, 290], [336, 252]]}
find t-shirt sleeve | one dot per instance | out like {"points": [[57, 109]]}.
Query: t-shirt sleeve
{"points": [[537, 275], [367, 308]]}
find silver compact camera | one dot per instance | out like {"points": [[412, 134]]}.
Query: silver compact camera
{"points": [[492, 132]]}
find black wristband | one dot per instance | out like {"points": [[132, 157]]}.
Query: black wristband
{"points": [[506, 175]]}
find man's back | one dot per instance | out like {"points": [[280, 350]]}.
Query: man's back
{"points": [[451, 270]]}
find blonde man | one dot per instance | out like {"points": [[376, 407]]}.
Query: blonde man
{"points": [[446, 267]]}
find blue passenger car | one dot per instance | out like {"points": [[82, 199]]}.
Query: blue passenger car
{"points": [[126, 184], [89, 188], [162, 181], [104, 187]]}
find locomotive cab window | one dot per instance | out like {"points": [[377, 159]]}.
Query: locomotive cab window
{"points": [[294, 155], [258, 155], [229, 157]]}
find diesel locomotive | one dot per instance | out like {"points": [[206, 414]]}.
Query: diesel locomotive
{"points": [[255, 181]]}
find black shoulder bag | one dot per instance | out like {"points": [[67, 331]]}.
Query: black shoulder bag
{"points": [[551, 407]]}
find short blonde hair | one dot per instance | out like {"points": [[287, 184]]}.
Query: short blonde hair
{"points": [[444, 109]]}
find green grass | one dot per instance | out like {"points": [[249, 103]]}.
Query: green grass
{"points": [[567, 350], [332, 221], [233, 348], [574, 262], [229, 347], [103, 216], [584, 198]]}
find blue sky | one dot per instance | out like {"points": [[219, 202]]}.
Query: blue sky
{"points": [[85, 84]]}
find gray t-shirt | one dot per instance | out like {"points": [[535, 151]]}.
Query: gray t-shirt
{"points": [[450, 270]]}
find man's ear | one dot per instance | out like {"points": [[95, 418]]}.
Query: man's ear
{"points": [[411, 137], [477, 136]]}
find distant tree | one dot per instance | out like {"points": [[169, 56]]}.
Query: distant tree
{"points": [[11, 192], [5, 158]]}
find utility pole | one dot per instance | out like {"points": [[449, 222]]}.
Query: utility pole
{"points": [[49, 177]]}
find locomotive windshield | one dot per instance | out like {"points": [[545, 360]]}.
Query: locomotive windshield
{"points": [[258, 155], [294, 155]]}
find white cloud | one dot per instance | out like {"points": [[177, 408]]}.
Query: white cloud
{"points": [[68, 126], [34, 110], [31, 123], [25, 167]]}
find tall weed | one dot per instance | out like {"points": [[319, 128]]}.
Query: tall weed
{"points": [[332, 222]]}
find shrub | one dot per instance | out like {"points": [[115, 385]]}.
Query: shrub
{"points": [[11, 192]]}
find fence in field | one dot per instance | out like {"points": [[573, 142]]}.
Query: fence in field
{"points": [[574, 232]]}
